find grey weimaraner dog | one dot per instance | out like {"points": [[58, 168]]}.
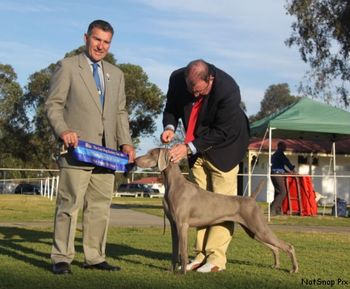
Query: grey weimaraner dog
{"points": [[186, 205]]}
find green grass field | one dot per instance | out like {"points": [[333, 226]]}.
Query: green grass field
{"points": [[144, 254]]}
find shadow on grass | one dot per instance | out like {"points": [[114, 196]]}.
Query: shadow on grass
{"points": [[22, 244], [136, 206], [121, 252], [256, 264], [34, 247]]}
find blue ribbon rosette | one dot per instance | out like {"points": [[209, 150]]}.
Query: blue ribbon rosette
{"points": [[101, 156]]}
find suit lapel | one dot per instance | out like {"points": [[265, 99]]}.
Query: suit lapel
{"points": [[86, 75], [107, 74], [187, 112], [202, 111]]}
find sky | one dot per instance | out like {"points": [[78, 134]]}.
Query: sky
{"points": [[243, 38]]}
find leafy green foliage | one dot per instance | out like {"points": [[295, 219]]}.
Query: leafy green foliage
{"points": [[144, 100], [277, 97], [321, 31], [15, 144]]}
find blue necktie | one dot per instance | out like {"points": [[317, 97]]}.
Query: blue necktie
{"points": [[98, 82]]}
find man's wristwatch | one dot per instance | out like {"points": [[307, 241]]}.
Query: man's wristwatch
{"points": [[189, 152]]}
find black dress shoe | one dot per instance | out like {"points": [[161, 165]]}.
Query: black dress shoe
{"points": [[102, 266], [61, 268]]}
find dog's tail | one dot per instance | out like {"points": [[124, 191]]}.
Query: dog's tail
{"points": [[258, 188]]}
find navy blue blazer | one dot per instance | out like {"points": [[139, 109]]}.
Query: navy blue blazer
{"points": [[222, 128]]}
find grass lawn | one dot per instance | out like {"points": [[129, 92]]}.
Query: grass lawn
{"points": [[144, 255]]}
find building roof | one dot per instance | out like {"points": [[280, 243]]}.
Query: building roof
{"points": [[149, 180], [302, 146]]}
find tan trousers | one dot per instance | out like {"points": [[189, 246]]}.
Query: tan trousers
{"points": [[212, 242], [93, 192]]}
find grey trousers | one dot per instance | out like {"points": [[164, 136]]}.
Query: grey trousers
{"points": [[279, 183], [93, 193]]}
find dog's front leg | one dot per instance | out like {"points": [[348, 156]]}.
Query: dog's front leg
{"points": [[183, 236], [175, 245], [174, 237]]}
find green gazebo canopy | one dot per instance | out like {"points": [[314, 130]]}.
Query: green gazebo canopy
{"points": [[306, 119]]}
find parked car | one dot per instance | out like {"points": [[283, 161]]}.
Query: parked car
{"points": [[154, 193], [132, 190], [27, 189]]}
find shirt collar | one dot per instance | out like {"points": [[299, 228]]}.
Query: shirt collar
{"points": [[91, 63]]}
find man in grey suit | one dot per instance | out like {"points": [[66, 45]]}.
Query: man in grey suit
{"points": [[81, 107]]}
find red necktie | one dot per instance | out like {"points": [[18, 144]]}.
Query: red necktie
{"points": [[193, 120]]}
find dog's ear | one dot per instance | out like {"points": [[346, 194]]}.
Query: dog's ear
{"points": [[163, 159]]}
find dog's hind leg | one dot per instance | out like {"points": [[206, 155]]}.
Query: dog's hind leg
{"points": [[270, 240], [289, 249], [275, 252], [274, 249], [254, 222]]}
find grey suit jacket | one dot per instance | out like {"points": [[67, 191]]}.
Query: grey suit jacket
{"points": [[73, 104]]}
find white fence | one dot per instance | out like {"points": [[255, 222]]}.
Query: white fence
{"points": [[326, 185], [38, 178]]}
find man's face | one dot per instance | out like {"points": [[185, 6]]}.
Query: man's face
{"points": [[199, 87], [97, 44]]}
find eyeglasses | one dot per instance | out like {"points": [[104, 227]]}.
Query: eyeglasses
{"points": [[197, 92]]}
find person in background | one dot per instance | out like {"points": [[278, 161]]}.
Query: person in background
{"points": [[86, 101], [207, 100], [280, 165]]}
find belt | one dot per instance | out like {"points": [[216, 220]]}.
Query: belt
{"points": [[278, 171]]}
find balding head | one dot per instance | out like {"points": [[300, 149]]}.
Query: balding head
{"points": [[197, 70], [198, 78]]}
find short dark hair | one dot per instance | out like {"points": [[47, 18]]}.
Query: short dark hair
{"points": [[104, 25], [281, 145]]}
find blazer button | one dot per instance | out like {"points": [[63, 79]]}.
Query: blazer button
{"points": [[100, 134]]}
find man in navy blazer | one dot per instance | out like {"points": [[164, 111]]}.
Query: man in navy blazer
{"points": [[218, 144]]}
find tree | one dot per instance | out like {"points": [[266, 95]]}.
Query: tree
{"points": [[10, 96], [321, 31], [144, 100], [276, 97], [44, 145], [14, 140]]}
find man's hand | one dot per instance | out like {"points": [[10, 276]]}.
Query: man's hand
{"points": [[178, 152], [130, 151], [70, 139], [167, 136]]}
